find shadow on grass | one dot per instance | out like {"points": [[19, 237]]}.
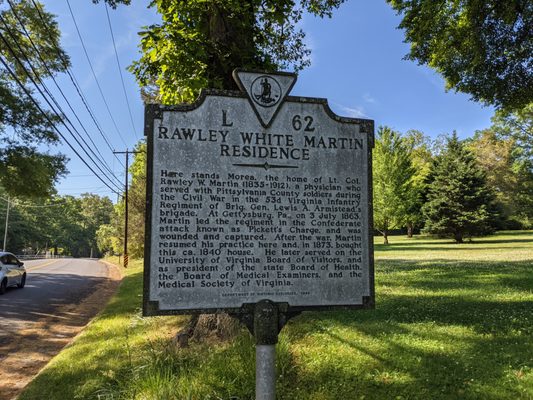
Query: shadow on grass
{"points": [[456, 267], [215, 371], [515, 233], [445, 247], [446, 331], [405, 370], [430, 243]]}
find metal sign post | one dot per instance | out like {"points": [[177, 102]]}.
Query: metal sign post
{"points": [[266, 336], [259, 204]]}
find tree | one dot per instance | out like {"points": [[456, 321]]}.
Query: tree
{"points": [[111, 237], [421, 159], [495, 157], [516, 129], [459, 202], [25, 170], [31, 225], [18, 232], [199, 43], [137, 201], [392, 174], [64, 224], [480, 47], [108, 240], [95, 211], [517, 125]]}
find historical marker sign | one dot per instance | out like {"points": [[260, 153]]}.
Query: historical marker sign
{"points": [[257, 195]]}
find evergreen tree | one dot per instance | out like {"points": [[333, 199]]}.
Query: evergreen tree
{"points": [[460, 204], [517, 125]]}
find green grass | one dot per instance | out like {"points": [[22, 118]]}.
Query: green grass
{"points": [[452, 321]]}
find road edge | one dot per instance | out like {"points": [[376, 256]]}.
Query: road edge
{"points": [[92, 305]]}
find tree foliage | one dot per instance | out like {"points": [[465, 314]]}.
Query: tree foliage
{"points": [[110, 236], [60, 224], [459, 202], [420, 152], [199, 43], [107, 239], [517, 125], [505, 152], [25, 170], [392, 174], [114, 3], [480, 47], [495, 157]]}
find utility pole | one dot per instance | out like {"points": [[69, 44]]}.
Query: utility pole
{"points": [[7, 222], [127, 152]]}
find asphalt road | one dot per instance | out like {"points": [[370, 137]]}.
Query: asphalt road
{"points": [[36, 322], [50, 284]]}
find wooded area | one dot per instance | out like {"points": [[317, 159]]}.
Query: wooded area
{"points": [[61, 225]]}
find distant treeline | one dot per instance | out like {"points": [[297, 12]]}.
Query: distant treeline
{"points": [[63, 225]]}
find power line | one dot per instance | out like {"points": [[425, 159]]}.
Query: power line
{"points": [[57, 85], [75, 83], [94, 74], [54, 101], [84, 188], [28, 93], [120, 70], [82, 175], [43, 62]]}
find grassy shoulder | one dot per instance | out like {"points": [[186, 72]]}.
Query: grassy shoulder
{"points": [[451, 321], [107, 346]]}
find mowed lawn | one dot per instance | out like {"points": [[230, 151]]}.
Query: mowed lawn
{"points": [[452, 321]]}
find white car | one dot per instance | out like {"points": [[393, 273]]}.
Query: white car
{"points": [[12, 272]]}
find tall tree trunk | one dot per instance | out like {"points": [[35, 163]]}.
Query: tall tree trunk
{"points": [[239, 50], [230, 32], [410, 229], [385, 237], [458, 237], [202, 326]]}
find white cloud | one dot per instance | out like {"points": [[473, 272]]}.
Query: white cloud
{"points": [[369, 99], [352, 112]]}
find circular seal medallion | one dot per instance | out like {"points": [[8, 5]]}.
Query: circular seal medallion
{"points": [[265, 91]]}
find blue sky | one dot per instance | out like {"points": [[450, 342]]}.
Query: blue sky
{"points": [[357, 64]]}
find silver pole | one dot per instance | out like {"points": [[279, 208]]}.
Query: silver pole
{"points": [[7, 222], [265, 372]]}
